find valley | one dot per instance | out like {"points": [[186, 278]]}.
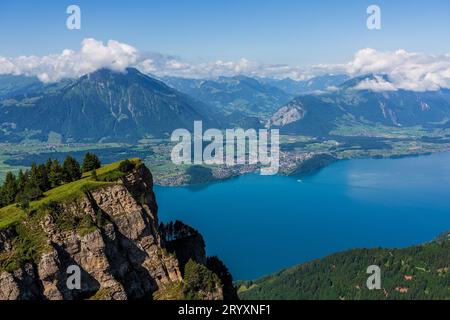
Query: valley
{"points": [[224, 152], [346, 156], [132, 115], [346, 142]]}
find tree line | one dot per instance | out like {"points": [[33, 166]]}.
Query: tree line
{"points": [[175, 230], [31, 184]]}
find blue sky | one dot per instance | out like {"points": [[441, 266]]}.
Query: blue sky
{"points": [[290, 31]]}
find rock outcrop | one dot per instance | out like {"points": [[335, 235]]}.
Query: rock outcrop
{"points": [[123, 256]]}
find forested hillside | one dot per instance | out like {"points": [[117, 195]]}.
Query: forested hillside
{"points": [[419, 272]]}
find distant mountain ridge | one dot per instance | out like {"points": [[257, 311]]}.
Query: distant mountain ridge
{"points": [[13, 85], [129, 106], [318, 114], [319, 83], [233, 94], [103, 105]]}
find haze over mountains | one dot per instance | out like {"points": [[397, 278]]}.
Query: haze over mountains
{"points": [[113, 106], [231, 94], [318, 83]]}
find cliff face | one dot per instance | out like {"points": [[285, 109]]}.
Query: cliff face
{"points": [[122, 256]]}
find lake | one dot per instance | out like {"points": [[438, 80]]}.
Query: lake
{"points": [[260, 224]]}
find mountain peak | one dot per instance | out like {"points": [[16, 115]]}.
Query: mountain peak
{"points": [[106, 72], [109, 105], [126, 78], [353, 83]]}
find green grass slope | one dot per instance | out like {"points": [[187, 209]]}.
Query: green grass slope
{"points": [[30, 241], [106, 175]]}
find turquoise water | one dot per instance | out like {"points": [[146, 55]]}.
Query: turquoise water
{"points": [[259, 225]]}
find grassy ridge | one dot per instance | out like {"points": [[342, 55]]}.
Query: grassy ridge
{"points": [[106, 175], [30, 241]]}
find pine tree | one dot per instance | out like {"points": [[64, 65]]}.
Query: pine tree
{"points": [[31, 189], [33, 175], [9, 188], [71, 170], [48, 165], [42, 178], [91, 162], [2, 198], [94, 175], [55, 175], [32, 192], [23, 202], [22, 180]]}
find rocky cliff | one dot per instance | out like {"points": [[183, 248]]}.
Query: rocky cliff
{"points": [[110, 233]]}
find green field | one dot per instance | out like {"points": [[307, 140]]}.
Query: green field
{"points": [[345, 142]]}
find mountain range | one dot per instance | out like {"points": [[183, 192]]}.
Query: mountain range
{"points": [[108, 106], [101, 106], [319, 83], [319, 113], [233, 94]]}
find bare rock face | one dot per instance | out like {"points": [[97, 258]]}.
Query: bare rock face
{"points": [[20, 284], [123, 258], [290, 113]]}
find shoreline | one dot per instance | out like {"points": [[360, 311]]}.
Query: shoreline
{"points": [[282, 186], [298, 173], [439, 237]]}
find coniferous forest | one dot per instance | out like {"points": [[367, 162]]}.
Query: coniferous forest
{"points": [[30, 185], [414, 273]]}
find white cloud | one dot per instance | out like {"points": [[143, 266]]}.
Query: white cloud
{"points": [[405, 70], [170, 66], [114, 55], [6, 66], [377, 84], [92, 56]]}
